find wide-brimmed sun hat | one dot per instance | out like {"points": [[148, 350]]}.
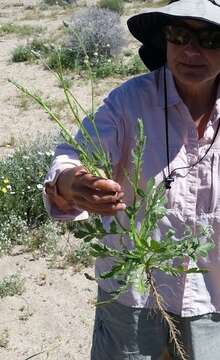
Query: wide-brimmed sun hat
{"points": [[147, 26]]}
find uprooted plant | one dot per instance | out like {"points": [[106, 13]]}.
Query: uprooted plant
{"points": [[132, 267]]}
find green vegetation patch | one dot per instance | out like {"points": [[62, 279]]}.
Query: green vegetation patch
{"points": [[20, 30], [11, 285], [31, 51], [60, 2], [113, 5], [21, 204]]}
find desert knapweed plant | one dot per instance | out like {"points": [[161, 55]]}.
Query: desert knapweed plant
{"points": [[100, 31], [132, 267]]}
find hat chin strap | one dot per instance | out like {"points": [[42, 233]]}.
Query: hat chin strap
{"points": [[215, 2], [169, 179]]}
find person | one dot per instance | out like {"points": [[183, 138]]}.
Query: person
{"points": [[179, 104]]}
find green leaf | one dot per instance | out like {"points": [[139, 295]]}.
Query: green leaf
{"points": [[141, 193], [80, 234], [203, 249], [98, 222], [88, 238], [114, 270], [195, 270], [150, 185], [155, 246], [113, 227], [89, 227]]}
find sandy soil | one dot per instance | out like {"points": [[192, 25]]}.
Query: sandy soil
{"points": [[55, 313]]}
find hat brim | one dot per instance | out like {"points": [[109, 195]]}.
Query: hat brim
{"points": [[146, 27]]}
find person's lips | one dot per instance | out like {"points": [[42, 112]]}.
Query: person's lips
{"points": [[193, 66]]}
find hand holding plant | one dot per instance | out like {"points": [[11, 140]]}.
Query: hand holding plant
{"points": [[94, 194]]}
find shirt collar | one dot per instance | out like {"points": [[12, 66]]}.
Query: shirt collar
{"points": [[173, 96]]}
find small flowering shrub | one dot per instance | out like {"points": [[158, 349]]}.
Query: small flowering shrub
{"points": [[111, 67], [95, 33], [13, 230], [12, 285], [23, 218], [21, 179]]}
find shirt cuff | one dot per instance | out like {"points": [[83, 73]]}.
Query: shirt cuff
{"points": [[75, 214]]}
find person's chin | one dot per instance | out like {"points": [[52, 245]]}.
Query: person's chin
{"points": [[191, 73]]}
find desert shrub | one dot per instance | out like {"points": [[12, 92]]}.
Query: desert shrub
{"points": [[26, 53], [11, 285], [111, 67], [63, 57], [21, 54], [13, 231], [23, 218], [135, 66], [95, 33], [113, 5], [22, 175]]}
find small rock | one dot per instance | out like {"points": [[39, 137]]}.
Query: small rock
{"points": [[41, 279]]}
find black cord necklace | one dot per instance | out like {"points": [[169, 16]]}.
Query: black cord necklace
{"points": [[170, 178]]}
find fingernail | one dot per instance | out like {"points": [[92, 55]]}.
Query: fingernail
{"points": [[116, 187], [123, 206]]}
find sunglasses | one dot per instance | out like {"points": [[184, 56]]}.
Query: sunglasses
{"points": [[207, 38]]}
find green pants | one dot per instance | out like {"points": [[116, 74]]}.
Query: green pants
{"points": [[123, 333]]}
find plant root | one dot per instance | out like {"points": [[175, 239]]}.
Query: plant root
{"points": [[174, 332]]}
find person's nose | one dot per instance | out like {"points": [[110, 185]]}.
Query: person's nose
{"points": [[192, 48]]}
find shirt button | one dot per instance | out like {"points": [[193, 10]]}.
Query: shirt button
{"points": [[192, 189]]}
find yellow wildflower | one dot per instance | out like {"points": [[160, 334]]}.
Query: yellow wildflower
{"points": [[4, 190]]}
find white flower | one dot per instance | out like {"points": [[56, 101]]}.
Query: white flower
{"points": [[49, 153], [39, 186]]}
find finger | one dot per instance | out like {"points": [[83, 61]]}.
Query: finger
{"points": [[99, 183], [102, 209], [98, 197]]}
